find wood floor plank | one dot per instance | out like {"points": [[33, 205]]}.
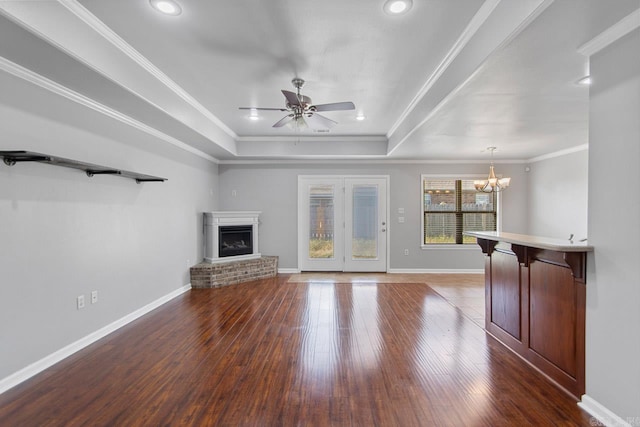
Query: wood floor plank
{"points": [[281, 353]]}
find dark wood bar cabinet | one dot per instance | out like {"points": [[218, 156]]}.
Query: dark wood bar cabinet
{"points": [[535, 290]]}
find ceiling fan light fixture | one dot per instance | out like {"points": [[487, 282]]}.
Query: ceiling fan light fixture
{"points": [[297, 123], [168, 7], [397, 7], [253, 115], [301, 112]]}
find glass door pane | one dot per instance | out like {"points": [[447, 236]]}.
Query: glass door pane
{"points": [[321, 221], [364, 235]]}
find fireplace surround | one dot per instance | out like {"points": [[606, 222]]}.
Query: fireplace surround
{"points": [[231, 235]]}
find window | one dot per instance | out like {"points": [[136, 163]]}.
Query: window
{"points": [[453, 206]]}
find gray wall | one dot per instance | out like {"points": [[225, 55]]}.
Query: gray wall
{"points": [[557, 190], [63, 234], [272, 189], [613, 281]]}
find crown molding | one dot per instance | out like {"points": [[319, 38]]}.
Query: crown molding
{"points": [[103, 30], [301, 161], [360, 160], [38, 80], [323, 138], [560, 153], [611, 34], [474, 25], [306, 159]]}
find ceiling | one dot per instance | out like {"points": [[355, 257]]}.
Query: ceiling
{"points": [[442, 82]]}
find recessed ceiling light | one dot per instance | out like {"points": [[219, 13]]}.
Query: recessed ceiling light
{"points": [[253, 115], [360, 117], [397, 7], [585, 81], [168, 7]]}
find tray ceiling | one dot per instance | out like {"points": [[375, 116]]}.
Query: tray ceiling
{"points": [[442, 82]]}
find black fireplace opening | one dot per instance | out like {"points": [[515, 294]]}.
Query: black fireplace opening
{"points": [[235, 240]]}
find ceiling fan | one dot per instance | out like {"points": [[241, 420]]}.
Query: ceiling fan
{"points": [[302, 113]]}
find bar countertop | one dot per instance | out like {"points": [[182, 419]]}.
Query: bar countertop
{"points": [[533, 241]]}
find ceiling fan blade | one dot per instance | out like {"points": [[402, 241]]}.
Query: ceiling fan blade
{"points": [[316, 121], [336, 106], [292, 98], [261, 108], [295, 99], [283, 121]]}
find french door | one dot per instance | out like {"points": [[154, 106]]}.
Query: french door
{"points": [[342, 223]]}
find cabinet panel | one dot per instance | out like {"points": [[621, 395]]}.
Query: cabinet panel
{"points": [[505, 293], [552, 315]]}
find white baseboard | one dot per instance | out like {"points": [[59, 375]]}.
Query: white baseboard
{"points": [[601, 413], [288, 271], [50, 360], [434, 271]]}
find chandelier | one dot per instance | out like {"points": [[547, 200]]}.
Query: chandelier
{"points": [[492, 183]]}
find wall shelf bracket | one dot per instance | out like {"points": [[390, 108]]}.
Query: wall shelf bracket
{"points": [[91, 173]]}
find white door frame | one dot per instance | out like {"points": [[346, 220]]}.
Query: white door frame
{"points": [[302, 249]]}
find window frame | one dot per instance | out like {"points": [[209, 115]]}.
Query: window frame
{"points": [[453, 246]]}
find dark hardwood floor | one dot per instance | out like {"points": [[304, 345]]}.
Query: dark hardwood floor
{"points": [[274, 353]]}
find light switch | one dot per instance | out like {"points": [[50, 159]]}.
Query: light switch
{"points": [[400, 210], [400, 219]]}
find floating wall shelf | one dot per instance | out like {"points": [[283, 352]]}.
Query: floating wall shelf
{"points": [[13, 157]]}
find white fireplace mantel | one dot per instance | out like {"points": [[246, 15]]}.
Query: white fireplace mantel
{"points": [[212, 223]]}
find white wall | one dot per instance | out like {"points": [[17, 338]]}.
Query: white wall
{"points": [[272, 189], [613, 281], [557, 189], [63, 234]]}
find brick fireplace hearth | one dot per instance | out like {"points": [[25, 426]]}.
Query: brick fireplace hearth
{"points": [[207, 275]]}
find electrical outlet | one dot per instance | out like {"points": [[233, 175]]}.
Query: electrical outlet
{"points": [[94, 297], [406, 251], [234, 193], [401, 219], [80, 301]]}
